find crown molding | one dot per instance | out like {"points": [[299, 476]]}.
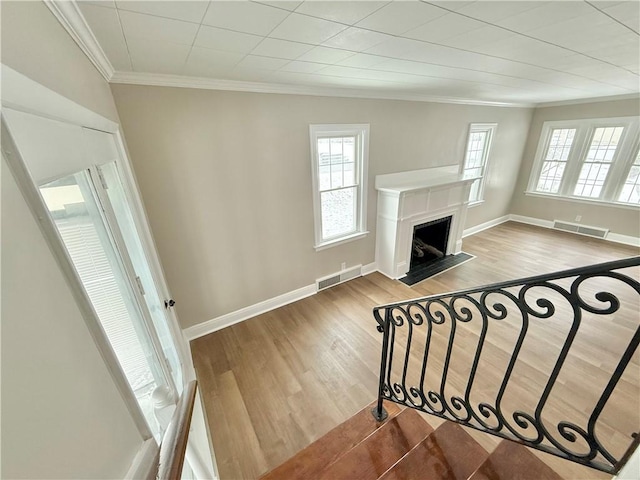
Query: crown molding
{"points": [[68, 14], [578, 101], [180, 81], [70, 17]]}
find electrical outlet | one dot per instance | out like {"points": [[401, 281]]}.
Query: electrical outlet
{"points": [[343, 266], [578, 218]]}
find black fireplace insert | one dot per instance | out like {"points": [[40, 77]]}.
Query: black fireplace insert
{"points": [[429, 242]]}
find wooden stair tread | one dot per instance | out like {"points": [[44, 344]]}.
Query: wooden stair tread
{"points": [[405, 447], [511, 461], [449, 453], [308, 462], [381, 450]]}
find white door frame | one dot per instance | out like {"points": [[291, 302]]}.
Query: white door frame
{"points": [[23, 94]]}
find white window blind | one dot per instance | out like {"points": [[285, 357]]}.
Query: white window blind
{"points": [[76, 214]]}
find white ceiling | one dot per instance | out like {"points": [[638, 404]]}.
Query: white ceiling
{"points": [[493, 51]]}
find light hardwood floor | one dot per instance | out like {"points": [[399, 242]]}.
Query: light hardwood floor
{"points": [[275, 383]]}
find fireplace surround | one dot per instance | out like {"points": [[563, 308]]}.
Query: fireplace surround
{"points": [[410, 199]]}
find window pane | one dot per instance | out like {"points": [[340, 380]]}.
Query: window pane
{"points": [[475, 150], [324, 177], [77, 217], [336, 176], [597, 163], [349, 149], [338, 212], [560, 144], [324, 154], [349, 174], [591, 180], [550, 177], [631, 189], [336, 150], [349, 158], [604, 144], [336, 167], [555, 159]]}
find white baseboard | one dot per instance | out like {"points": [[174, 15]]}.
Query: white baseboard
{"points": [[369, 268], [246, 313], [611, 237], [231, 318], [626, 239], [145, 463], [531, 221], [484, 226]]}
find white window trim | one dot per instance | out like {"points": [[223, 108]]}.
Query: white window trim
{"points": [[477, 203], [635, 152], [490, 128], [620, 166], [361, 132]]}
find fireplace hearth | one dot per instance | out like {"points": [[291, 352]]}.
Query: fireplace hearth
{"points": [[428, 252]]}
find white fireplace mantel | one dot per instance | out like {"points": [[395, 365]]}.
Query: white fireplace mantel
{"points": [[408, 199]]}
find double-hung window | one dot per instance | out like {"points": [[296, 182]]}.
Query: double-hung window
{"points": [[630, 192], [339, 155], [475, 160], [593, 159], [555, 159]]}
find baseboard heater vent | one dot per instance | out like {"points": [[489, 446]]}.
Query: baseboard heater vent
{"points": [[339, 277], [581, 229]]}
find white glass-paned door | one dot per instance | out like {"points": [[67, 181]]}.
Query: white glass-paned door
{"points": [[75, 210], [124, 219]]}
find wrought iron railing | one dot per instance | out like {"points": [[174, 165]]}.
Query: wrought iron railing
{"points": [[423, 337]]}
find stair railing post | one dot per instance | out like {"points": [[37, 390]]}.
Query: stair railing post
{"points": [[378, 412]]}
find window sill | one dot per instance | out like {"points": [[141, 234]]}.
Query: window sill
{"points": [[340, 241], [582, 200]]}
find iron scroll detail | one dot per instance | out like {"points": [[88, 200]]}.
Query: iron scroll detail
{"points": [[566, 298]]}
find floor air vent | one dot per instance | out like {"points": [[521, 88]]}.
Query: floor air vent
{"points": [[581, 229], [339, 277]]}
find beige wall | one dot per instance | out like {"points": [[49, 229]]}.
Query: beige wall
{"points": [[619, 220], [62, 415], [226, 180], [34, 44]]}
